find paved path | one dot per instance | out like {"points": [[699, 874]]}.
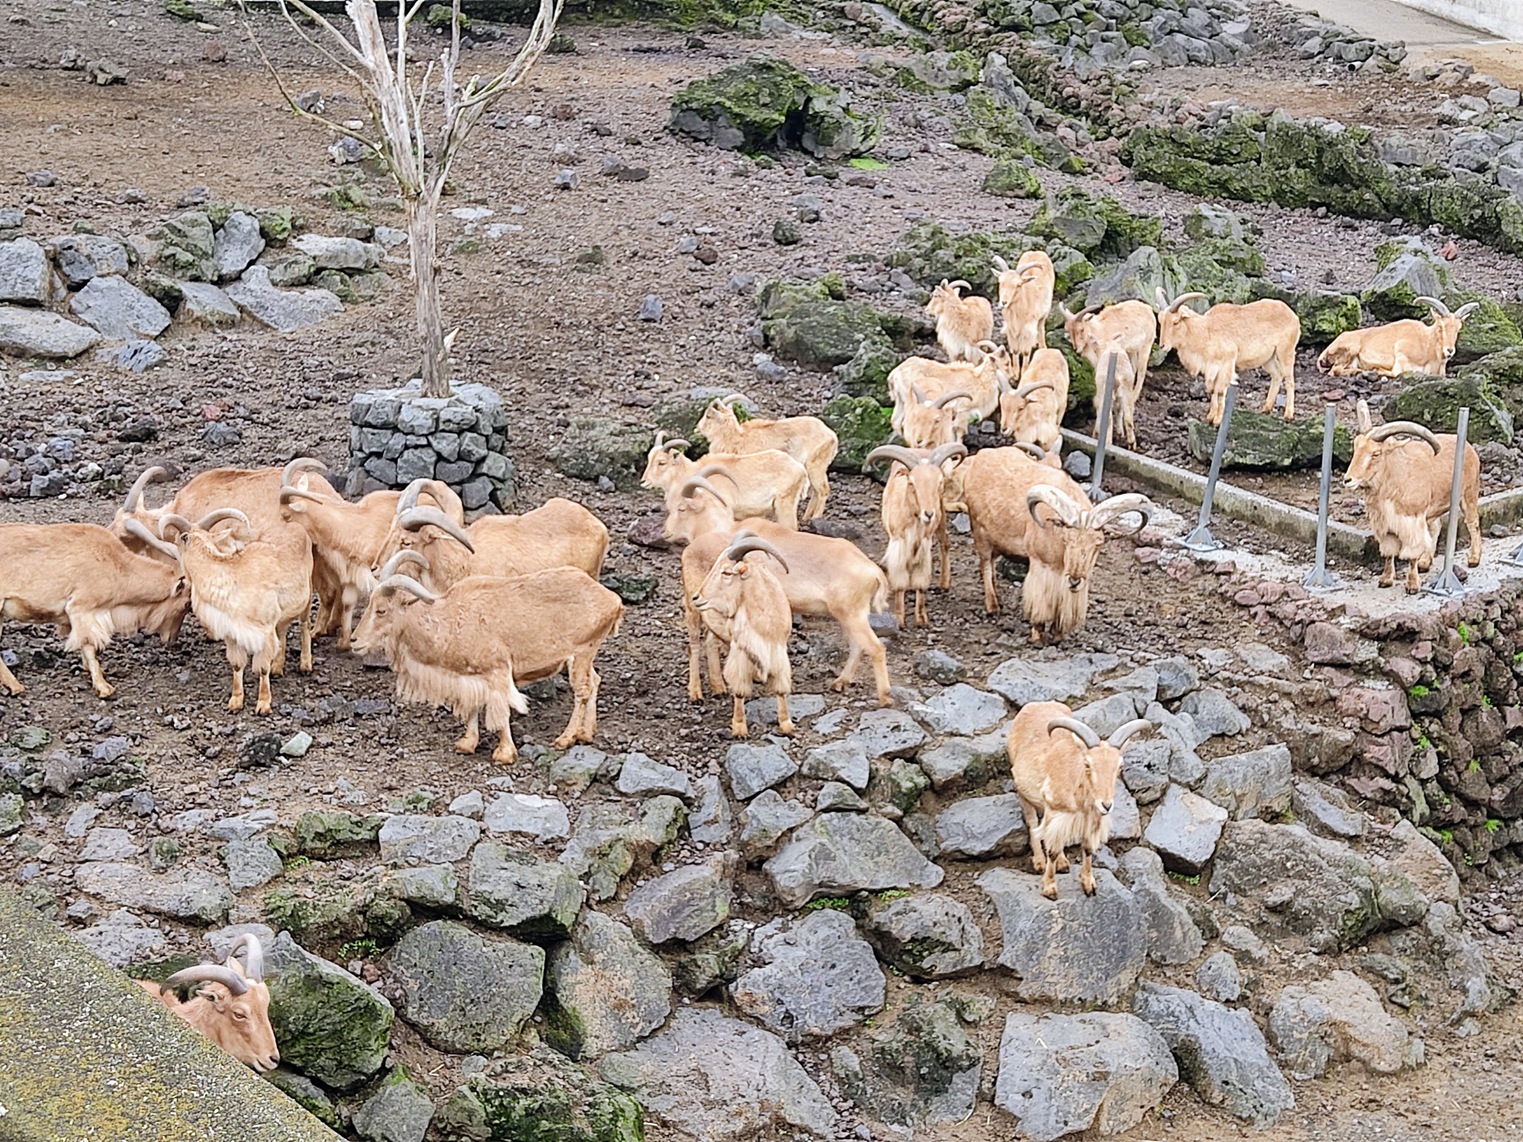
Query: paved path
{"points": [[1428, 38]]}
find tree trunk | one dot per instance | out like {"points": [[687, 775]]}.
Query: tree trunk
{"points": [[422, 234]]}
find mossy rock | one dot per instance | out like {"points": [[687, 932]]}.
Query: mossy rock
{"points": [[184, 10], [1205, 221], [1436, 403], [1501, 374], [327, 1022], [1236, 254], [1490, 329], [327, 834], [1009, 178], [593, 446], [1263, 441], [440, 15], [928, 253], [861, 424], [992, 127], [1325, 314], [1143, 273], [186, 247], [1094, 226], [938, 71], [1081, 381], [1393, 292], [348, 196], [866, 374], [327, 913], [276, 223], [540, 1095], [803, 322]]}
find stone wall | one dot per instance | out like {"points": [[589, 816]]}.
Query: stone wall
{"points": [[397, 436]]}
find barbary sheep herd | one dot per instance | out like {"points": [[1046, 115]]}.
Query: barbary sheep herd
{"points": [[467, 614]]}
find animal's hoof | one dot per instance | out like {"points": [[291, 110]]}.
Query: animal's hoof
{"points": [[787, 729], [16, 691], [739, 732], [1050, 893], [564, 741], [1089, 889], [502, 758], [263, 709], [466, 746], [104, 691], [234, 705]]}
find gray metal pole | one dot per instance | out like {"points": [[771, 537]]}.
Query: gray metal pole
{"points": [[1201, 538], [1446, 582], [1319, 578], [1103, 430]]}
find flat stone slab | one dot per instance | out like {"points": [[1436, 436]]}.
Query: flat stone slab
{"points": [[980, 827], [284, 310], [962, 710], [847, 852], [819, 977], [183, 894], [1184, 830], [118, 309], [1026, 680], [35, 333]]}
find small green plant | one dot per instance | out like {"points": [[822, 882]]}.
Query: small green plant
{"points": [[1419, 691], [838, 903], [1446, 835], [1463, 630], [1473, 767], [1486, 702], [297, 862], [867, 163], [892, 894], [1424, 742], [1492, 824], [363, 949], [1186, 879]]}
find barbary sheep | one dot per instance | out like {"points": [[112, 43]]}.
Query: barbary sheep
{"points": [[961, 322], [825, 576], [1400, 347], [1216, 344], [83, 579], [983, 381], [808, 439], [1006, 491], [1025, 300], [558, 533], [768, 483], [469, 647], [1033, 413], [930, 424], [1093, 330], [232, 1010], [744, 606], [914, 519], [246, 588], [1066, 779], [1406, 473]]}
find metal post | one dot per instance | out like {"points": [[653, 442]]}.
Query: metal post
{"points": [[1201, 538], [1319, 578], [1446, 582], [1515, 557], [1103, 430]]}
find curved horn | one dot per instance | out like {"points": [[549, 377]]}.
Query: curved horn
{"points": [[717, 470], [739, 548], [170, 519], [438, 489], [210, 973], [1025, 391], [698, 484], [892, 452], [136, 528], [1405, 428], [135, 493], [731, 400], [409, 497], [433, 517], [1363, 408], [1467, 309], [1079, 730], [660, 439], [1001, 265], [405, 583], [1163, 298], [1035, 451], [1122, 735], [947, 398], [290, 493], [958, 284], [1060, 502], [947, 451], [1433, 303], [1174, 305], [1088, 311], [676, 444], [253, 956], [1103, 513], [212, 518], [300, 464], [993, 346], [1028, 271], [406, 555]]}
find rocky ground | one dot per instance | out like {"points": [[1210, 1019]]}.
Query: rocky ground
{"points": [[348, 823]]}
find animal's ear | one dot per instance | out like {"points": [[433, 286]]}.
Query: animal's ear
{"points": [[219, 997], [742, 568]]}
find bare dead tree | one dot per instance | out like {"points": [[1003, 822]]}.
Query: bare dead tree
{"points": [[417, 144]]}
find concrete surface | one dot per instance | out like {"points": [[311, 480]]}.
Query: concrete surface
{"points": [[1431, 37], [86, 1055]]}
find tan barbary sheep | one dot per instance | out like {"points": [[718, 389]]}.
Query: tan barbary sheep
{"points": [[232, 1010], [1227, 338], [1025, 300], [982, 382], [1094, 329], [1021, 508], [246, 589], [824, 576], [1406, 473], [744, 606], [808, 439], [1033, 412], [1066, 779], [91, 586], [914, 519], [930, 424], [469, 647], [1399, 347], [768, 483], [961, 322]]}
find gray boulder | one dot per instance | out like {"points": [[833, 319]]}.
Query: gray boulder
{"points": [[817, 977], [526, 897], [24, 273], [1444, 966], [1125, 816], [465, 992], [399, 1112], [1107, 715], [960, 764], [1221, 1053], [237, 244], [766, 819], [520, 1095], [847, 852], [422, 839], [1026, 680], [710, 822], [1061, 1074], [80, 257], [1145, 769], [118, 309], [1252, 784], [1177, 676], [609, 841], [604, 991], [1206, 221], [717, 1079], [836, 796], [181, 894], [1076, 949], [34, 333], [122, 939], [887, 733], [205, 303], [641, 776], [752, 768], [683, 904], [284, 310], [1335, 1020], [338, 253], [1219, 978], [1213, 714], [327, 1023], [1329, 811], [962, 710], [433, 886], [543, 818], [920, 1071], [250, 863], [136, 356], [844, 760], [926, 936], [1173, 937], [1184, 830], [981, 827], [108, 844], [1420, 861]]}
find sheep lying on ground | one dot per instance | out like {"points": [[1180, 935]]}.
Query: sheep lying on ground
{"points": [[982, 382], [1400, 347]]}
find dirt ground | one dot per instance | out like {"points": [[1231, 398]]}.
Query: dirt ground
{"points": [[557, 342]]}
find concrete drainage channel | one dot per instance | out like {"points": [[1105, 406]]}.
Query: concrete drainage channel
{"points": [[1504, 508]]}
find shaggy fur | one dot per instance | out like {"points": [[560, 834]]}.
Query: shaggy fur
{"points": [[744, 606], [1391, 350], [961, 322], [1025, 300], [807, 439], [770, 483], [1034, 418], [983, 382]]}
